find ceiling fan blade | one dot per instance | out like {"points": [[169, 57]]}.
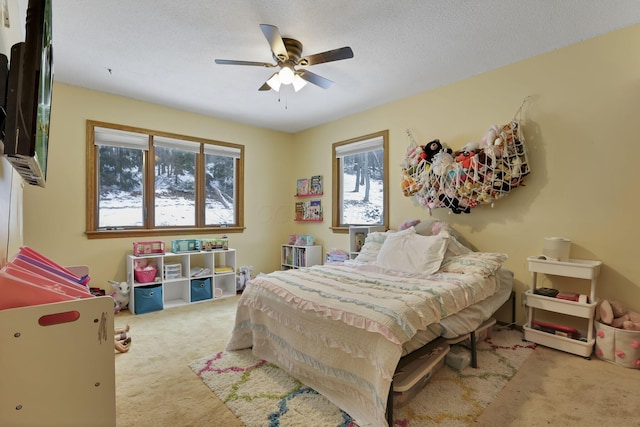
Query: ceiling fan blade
{"points": [[272, 34], [315, 79], [328, 56], [234, 62], [265, 86]]}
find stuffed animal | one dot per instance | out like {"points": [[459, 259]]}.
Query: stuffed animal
{"points": [[408, 184], [120, 295], [432, 148], [491, 142], [615, 314], [456, 205], [244, 275], [122, 339]]}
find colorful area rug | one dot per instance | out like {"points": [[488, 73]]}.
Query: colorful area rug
{"points": [[262, 395]]}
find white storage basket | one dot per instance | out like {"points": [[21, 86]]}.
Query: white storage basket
{"points": [[618, 346]]}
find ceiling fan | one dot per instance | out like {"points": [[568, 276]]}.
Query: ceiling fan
{"points": [[287, 54]]}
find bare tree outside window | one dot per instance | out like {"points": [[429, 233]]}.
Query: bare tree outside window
{"points": [[146, 181], [360, 181]]}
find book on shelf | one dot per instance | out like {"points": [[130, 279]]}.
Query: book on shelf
{"points": [[314, 210], [299, 211], [316, 184], [302, 186]]}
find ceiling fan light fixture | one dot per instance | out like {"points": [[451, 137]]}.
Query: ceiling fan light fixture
{"points": [[286, 75], [298, 82], [274, 82]]}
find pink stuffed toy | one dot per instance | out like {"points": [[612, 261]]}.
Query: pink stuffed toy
{"points": [[615, 314]]}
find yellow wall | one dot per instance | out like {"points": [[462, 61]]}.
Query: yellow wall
{"points": [[581, 127], [55, 215]]}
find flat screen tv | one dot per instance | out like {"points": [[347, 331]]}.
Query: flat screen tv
{"points": [[28, 103]]}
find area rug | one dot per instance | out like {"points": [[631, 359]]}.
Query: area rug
{"points": [[262, 395]]}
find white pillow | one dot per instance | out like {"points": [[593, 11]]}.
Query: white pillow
{"points": [[369, 252], [412, 253], [373, 242], [482, 263]]}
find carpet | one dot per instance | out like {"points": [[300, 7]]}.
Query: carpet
{"points": [[260, 394]]}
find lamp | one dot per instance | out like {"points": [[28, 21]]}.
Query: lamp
{"points": [[286, 74], [274, 82], [298, 82]]}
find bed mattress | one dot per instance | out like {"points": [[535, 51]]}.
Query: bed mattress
{"points": [[466, 320], [342, 329]]}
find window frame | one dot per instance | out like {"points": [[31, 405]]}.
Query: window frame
{"points": [[336, 170], [149, 229]]}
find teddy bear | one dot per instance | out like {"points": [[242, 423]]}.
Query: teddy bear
{"points": [[430, 150], [615, 314]]}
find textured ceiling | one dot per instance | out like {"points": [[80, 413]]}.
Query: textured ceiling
{"points": [[163, 51]]}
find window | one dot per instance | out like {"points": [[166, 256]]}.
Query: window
{"points": [[360, 181], [144, 182]]}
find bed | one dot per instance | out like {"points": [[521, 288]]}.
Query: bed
{"points": [[342, 328]]}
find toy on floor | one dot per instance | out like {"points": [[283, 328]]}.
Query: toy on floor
{"points": [[122, 339], [120, 295], [615, 314], [244, 275]]}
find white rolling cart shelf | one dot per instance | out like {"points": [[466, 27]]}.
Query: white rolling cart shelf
{"points": [[357, 235], [577, 268], [178, 291], [296, 256]]}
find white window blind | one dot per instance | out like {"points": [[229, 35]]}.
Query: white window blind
{"points": [[178, 144], [364, 146], [120, 138], [222, 150]]}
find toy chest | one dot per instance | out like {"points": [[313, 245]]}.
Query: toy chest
{"points": [[148, 248], [147, 298], [184, 245], [201, 289], [172, 271], [57, 365], [618, 346], [146, 275], [415, 370]]}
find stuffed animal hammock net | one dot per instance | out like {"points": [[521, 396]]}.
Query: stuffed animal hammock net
{"points": [[478, 174]]}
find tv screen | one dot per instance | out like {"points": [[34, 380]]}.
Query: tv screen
{"points": [[28, 106]]}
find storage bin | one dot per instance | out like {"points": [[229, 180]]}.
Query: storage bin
{"points": [[147, 298], [618, 346], [172, 271], [184, 245], [458, 358], [148, 248], [145, 276], [212, 244], [201, 289], [415, 370]]}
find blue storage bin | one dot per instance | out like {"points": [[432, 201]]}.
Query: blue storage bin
{"points": [[184, 245], [201, 289], [147, 298]]}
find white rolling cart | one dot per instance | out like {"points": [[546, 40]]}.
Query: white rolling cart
{"points": [[577, 268]]}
